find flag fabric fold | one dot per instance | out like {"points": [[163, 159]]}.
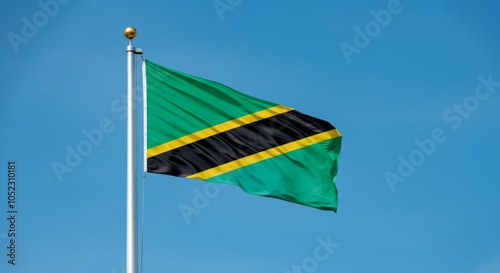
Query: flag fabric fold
{"points": [[197, 128]]}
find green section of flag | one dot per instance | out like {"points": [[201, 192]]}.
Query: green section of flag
{"points": [[180, 104]]}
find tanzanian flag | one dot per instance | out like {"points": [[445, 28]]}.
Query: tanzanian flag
{"points": [[197, 128]]}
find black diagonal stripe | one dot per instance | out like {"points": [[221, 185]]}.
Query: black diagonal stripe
{"points": [[237, 143]]}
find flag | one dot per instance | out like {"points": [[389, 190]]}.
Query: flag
{"points": [[197, 128]]}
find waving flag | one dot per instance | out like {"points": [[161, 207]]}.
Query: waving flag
{"points": [[197, 128]]}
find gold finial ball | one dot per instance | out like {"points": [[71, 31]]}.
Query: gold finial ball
{"points": [[130, 33]]}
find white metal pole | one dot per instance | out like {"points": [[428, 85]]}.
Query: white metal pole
{"points": [[131, 264]]}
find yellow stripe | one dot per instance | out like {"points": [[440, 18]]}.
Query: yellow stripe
{"points": [[260, 156], [222, 127]]}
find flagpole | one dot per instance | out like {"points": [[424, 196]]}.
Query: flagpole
{"points": [[131, 263]]}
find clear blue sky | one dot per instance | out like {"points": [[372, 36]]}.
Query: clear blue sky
{"points": [[416, 96]]}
